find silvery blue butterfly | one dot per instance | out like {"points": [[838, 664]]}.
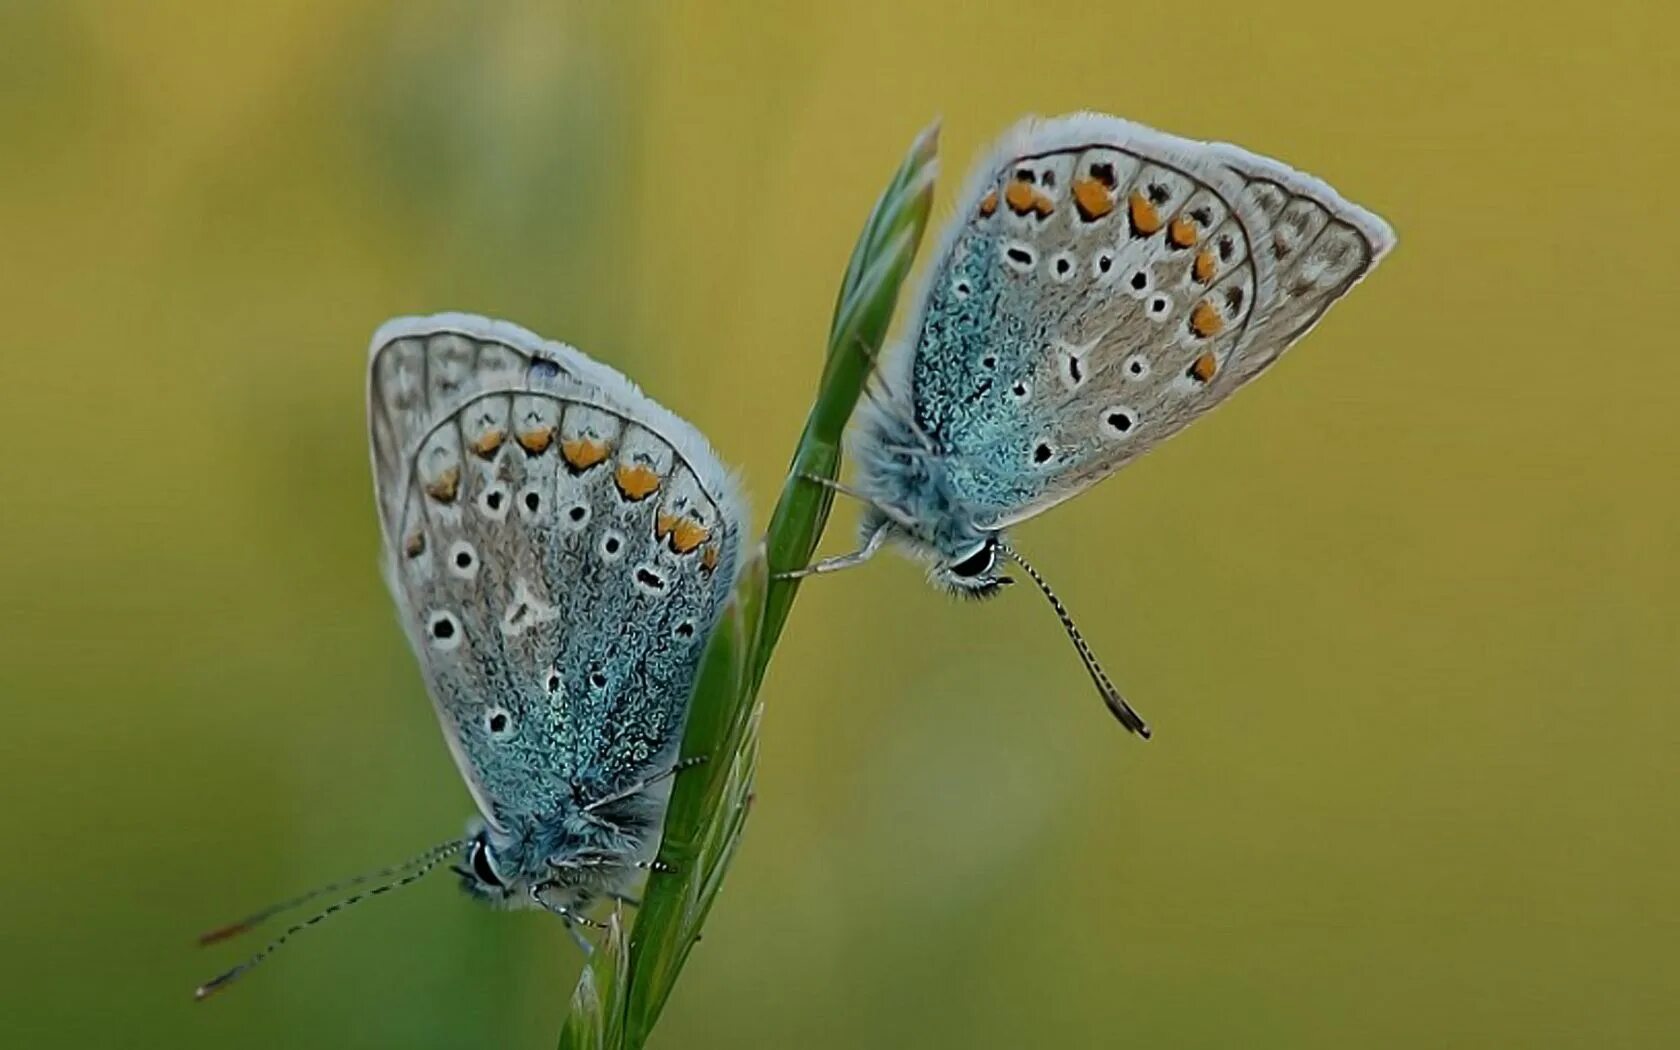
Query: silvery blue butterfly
{"points": [[560, 548], [1101, 286]]}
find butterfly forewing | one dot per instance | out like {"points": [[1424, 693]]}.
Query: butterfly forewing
{"points": [[559, 547], [1108, 284]]}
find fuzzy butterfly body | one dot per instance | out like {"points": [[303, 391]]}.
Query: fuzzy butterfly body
{"points": [[560, 548], [1101, 286]]}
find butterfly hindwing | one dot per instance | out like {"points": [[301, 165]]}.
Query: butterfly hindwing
{"points": [[559, 547], [1104, 285]]}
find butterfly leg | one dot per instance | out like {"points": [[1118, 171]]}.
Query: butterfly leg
{"points": [[642, 785], [566, 914], [583, 943], [869, 549], [888, 400], [897, 514]]}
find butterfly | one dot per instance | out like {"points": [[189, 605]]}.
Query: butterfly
{"points": [[1101, 286], [559, 547]]}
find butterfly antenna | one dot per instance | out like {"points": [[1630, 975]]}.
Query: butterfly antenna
{"points": [[234, 929], [1111, 696], [421, 866]]}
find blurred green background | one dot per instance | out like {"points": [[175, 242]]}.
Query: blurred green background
{"points": [[1403, 615]]}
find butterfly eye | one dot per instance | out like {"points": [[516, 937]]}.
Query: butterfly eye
{"points": [[481, 865], [977, 564]]}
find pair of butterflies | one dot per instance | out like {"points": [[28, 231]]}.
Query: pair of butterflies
{"points": [[560, 546]]}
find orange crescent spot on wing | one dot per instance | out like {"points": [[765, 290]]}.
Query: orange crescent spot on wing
{"points": [[447, 484], [583, 453], [1092, 199], [536, 440], [636, 482]]}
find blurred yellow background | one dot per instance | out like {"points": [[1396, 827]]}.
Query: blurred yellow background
{"points": [[1403, 615]]}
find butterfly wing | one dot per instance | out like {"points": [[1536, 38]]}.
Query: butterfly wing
{"points": [[559, 547], [1104, 285]]}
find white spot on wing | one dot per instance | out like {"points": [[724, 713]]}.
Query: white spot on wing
{"points": [[462, 560], [443, 630], [526, 610]]}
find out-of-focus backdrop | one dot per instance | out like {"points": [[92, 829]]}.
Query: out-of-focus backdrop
{"points": [[1403, 614]]}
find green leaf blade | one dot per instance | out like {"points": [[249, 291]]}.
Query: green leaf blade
{"points": [[626, 984]]}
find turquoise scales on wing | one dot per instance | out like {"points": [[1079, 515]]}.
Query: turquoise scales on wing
{"points": [[560, 548]]}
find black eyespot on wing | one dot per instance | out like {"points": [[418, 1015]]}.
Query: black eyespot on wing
{"points": [[598, 680], [463, 559], [1021, 255], [443, 627], [1121, 421], [532, 502], [1103, 172], [498, 722], [1140, 280], [493, 500], [1042, 453], [1158, 305], [1025, 175], [577, 513], [1158, 194], [649, 578], [1063, 265], [1226, 248]]}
